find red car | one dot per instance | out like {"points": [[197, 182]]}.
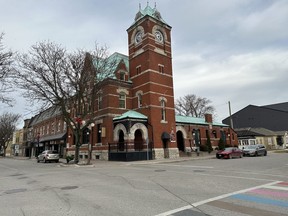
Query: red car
{"points": [[229, 153]]}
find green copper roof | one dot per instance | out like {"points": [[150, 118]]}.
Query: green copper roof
{"points": [[152, 12], [118, 57], [107, 67], [131, 114], [195, 120]]}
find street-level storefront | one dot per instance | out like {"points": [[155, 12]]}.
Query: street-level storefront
{"points": [[53, 142]]}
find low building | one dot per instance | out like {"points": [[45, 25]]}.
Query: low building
{"points": [[271, 139]]}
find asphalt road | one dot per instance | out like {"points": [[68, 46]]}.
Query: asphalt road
{"points": [[247, 186]]}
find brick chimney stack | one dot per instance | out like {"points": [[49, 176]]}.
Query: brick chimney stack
{"points": [[208, 118]]}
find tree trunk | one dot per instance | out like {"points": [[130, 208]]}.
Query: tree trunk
{"points": [[76, 157]]}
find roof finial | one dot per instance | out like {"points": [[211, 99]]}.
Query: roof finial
{"points": [[147, 3], [139, 6], [155, 5]]}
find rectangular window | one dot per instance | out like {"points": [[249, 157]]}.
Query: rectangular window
{"points": [[122, 100], [161, 68], [138, 70]]}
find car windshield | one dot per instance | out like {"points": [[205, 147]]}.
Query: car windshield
{"points": [[51, 152], [251, 147]]}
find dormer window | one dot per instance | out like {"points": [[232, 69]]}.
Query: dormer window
{"points": [[122, 76]]}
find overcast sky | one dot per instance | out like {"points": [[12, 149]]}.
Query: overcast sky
{"points": [[223, 50]]}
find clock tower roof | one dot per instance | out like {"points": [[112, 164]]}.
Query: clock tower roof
{"points": [[148, 11]]}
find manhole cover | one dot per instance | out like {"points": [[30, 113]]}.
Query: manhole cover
{"points": [[160, 170], [15, 191], [17, 174], [23, 177], [69, 187], [199, 171]]}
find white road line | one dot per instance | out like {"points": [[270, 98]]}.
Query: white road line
{"points": [[215, 198], [276, 187], [203, 167]]}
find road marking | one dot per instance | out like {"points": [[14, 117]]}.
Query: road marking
{"points": [[284, 183], [216, 198], [244, 210], [175, 165], [274, 193], [276, 187], [175, 210], [261, 200]]}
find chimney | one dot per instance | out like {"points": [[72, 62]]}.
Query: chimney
{"points": [[208, 118]]}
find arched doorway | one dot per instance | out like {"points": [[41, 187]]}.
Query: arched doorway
{"points": [[197, 138], [138, 140], [121, 140], [180, 141], [165, 139]]}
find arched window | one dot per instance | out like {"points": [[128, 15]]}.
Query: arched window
{"points": [[163, 110], [139, 97], [214, 133], [99, 101], [122, 100]]}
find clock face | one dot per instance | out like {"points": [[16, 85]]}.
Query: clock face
{"points": [[159, 36], [138, 37]]}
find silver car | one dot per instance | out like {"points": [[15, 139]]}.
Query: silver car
{"points": [[48, 155], [254, 150]]}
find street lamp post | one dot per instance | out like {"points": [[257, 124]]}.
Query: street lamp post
{"points": [[90, 143], [194, 134]]}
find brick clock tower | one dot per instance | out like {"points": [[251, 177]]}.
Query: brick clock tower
{"points": [[150, 65]]}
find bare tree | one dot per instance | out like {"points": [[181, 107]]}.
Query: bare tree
{"points": [[50, 75], [5, 67], [191, 105], [8, 122]]}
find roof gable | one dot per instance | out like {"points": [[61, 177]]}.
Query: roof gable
{"points": [[280, 106], [130, 115]]}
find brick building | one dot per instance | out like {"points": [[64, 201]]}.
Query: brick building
{"points": [[135, 116]]}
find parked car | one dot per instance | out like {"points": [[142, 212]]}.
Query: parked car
{"points": [[48, 155], [229, 153], [254, 150]]}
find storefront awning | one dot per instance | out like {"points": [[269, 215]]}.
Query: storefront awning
{"points": [[53, 137], [165, 136]]}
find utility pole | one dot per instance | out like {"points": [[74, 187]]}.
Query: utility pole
{"points": [[231, 121]]}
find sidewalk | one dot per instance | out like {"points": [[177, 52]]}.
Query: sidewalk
{"points": [[94, 162]]}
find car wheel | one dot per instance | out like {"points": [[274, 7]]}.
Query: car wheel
{"points": [[38, 161], [256, 154], [265, 153], [57, 161]]}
